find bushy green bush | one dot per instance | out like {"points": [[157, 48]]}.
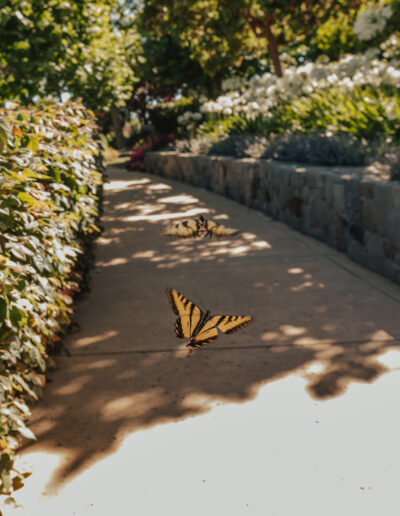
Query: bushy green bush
{"points": [[317, 149], [363, 111], [50, 182], [164, 116]]}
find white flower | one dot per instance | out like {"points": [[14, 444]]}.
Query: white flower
{"points": [[371, 53], [24, 304], [371, 21], [261, 93], [392, 110], [392, 76]]}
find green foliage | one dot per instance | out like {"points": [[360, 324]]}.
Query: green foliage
{"points": [[164, 115], [318, 149], [335, 37], [62, 47], [365, 111], [226, 37], [218, 126], [361, 111], [50, 182]]}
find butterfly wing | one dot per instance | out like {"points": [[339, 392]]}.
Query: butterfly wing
{"points": [[221, 231], [184, 229], [189, 315], [225, 323], [207, 333], [231, 323]]}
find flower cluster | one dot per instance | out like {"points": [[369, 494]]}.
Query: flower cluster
{"points": [[372, 21], [261, 93], [189, 117]]}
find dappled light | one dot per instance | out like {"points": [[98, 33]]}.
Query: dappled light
{"points": [[127, 371]]}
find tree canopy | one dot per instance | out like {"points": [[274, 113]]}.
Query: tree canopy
{"points": [[220, 35], [69, 47]]}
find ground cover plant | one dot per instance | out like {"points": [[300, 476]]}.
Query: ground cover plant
{"points": [[50, 187]]}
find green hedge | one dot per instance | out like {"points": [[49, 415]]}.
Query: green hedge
{"points": [[50, 186]]}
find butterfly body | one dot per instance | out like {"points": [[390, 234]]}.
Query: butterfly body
{"points": [[198, 326], [200, 227]]}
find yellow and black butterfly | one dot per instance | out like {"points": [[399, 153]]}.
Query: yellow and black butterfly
{"points": [[198, 326], [200, 228]]}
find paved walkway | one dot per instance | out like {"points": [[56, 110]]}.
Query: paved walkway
{"points": [[297, 414]]}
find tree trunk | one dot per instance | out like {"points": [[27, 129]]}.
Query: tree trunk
{"points": [[262, 29], [117, 126], [273, 51]]}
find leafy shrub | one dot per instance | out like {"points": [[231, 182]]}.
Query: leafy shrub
{"points": [[364, 111], [164, 115], [50, 182], [339, 149], [317, 149]]}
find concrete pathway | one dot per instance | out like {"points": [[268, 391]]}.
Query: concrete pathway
{"points": [[297, 414]]}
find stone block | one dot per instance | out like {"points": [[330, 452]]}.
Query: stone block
{"points": [[187, 165], [314, 178], [330, 180], [371, 216], [285, 195], [356, 251], [218, 175], [392, 229], [320, 214], [382, 197], [391, 270], [298, 178], [339, 225], [366, 189], [389, 249], [201, 171], [375, 253], [339, 198], [353, 199], [234, 180]]}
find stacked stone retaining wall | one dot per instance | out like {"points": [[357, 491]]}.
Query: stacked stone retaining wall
{"points": [[346, 207]]}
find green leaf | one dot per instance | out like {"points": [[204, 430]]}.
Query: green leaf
{"points": [[3, 310], [15, 315]]}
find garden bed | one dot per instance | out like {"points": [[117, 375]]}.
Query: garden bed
{"points": [[353, 209]]}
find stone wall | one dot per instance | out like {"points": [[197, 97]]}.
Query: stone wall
{"points": [[346, 207]]}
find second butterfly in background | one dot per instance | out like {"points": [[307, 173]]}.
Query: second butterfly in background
{"points": [[198, 326], [198, 228]]}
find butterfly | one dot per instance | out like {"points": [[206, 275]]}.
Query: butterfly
{"points": [[200, 228], [198, 326]]}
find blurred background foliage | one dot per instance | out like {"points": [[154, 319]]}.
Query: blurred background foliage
{"points": [[131, 61]]}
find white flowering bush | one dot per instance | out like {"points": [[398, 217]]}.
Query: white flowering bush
{"points": [[260, 94]]}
